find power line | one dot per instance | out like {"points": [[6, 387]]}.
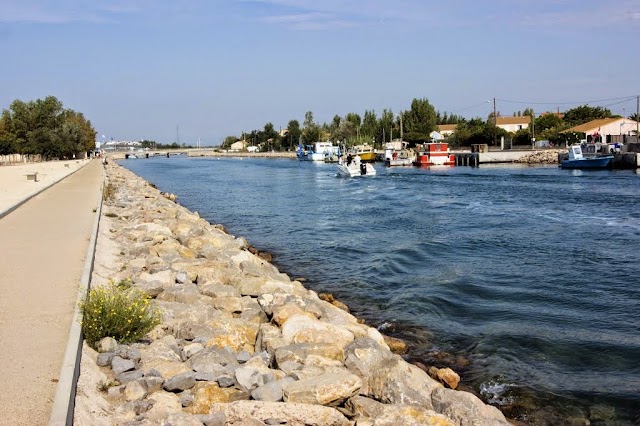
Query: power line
{"points": [[622, 99]]}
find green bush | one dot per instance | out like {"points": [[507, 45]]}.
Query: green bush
{"points": [[117, 310]]}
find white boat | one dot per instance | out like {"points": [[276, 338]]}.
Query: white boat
{"points": [[355, 168], [397, 154], [317, 152]]}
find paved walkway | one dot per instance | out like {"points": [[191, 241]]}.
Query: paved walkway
{"points": [[43, 244]]}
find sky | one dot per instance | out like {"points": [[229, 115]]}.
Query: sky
{"points": [[162, 70]]}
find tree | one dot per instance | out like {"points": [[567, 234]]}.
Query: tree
{"points": [[43, 127], [293, 132], [369, 124], [420, 121], [311, 131], [584, 114], [634, 117]]}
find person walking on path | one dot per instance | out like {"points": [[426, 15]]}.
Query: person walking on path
{"points": [[42, 253]]}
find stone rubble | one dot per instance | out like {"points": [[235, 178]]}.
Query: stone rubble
{"points": [[549, 156], [240, 342]]}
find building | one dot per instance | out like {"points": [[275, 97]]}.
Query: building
{"points": [[238, 146], [513, 124], [446, 129], [606, 126]]}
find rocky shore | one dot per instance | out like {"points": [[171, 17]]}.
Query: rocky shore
{"points": [[542, 157], [240, 342]]}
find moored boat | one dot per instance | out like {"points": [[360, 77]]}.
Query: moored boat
{"points": [[577, 160], [434, 154], [319, 151], [397, 154], [365, 152]]}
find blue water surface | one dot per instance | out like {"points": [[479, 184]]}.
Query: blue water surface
{"points": [[524, 279]]}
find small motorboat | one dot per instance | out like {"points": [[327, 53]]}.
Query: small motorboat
{"points": [[577, 160], [352, 168]]}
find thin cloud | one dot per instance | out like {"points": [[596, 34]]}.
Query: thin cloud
{"points": [[64, 11], [308, 21]]}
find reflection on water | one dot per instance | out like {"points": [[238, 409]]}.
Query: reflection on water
{"points": [[522, 279]]}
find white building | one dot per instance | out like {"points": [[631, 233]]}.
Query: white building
{"points": [[606, 126], [513, 124]]}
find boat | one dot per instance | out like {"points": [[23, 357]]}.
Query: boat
{"points": [[577, 160], [434, 154], [397, 154], [355, 168], [319, 151], [365, 152]]}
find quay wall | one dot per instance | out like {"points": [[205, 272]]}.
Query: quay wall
{"points": [[241, 342]]}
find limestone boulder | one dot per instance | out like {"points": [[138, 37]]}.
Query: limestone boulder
{"points": [[465, 409], [306, 302], [327, 389], [282, 313], [363, 356], [215, 289], [300, 351], [395, 381], [181, 293], [205, 394], [164, 404], [448, 377], [379, 414], [154, 284], [291, 414], [205, 360], [256, 286], [234, 333], [269, 338], [303, 329]]}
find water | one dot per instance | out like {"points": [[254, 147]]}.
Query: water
{"points": [[522, 279]]}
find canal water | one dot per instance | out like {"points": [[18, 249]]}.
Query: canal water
{"points": [[525, 280]]}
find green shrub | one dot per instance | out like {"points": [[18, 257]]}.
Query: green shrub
{"points": [[117, 310], [108, 191]]}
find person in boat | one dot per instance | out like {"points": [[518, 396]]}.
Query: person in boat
{"points": [[349, 159], [357, 160]]}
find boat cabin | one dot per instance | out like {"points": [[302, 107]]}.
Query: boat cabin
{"points": [[434, 154]]}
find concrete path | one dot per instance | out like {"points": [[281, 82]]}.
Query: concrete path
{"points": [[43, 245]]}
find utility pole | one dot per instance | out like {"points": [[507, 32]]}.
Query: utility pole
{"points": [[495, 123]]}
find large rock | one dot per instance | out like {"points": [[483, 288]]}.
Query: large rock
{"points": [[303, 329], [234, 333], [286, 413], [181, 293], [380, 414], [466, 409], [300, 351], [328, 389], [161, 357], [395, 381], [205, 359], [206, 394], [165, 403]]}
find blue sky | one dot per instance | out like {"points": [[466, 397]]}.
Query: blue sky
{"points": [[140, 68]]}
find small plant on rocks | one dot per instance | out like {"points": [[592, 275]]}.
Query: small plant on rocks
{"points": [[117, 310], [108, 191]]}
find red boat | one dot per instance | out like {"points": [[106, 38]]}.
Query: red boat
{"points": [[434, 154]]}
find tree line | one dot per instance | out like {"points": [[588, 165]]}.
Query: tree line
{"points": [[43, 127], [416, 124]]}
